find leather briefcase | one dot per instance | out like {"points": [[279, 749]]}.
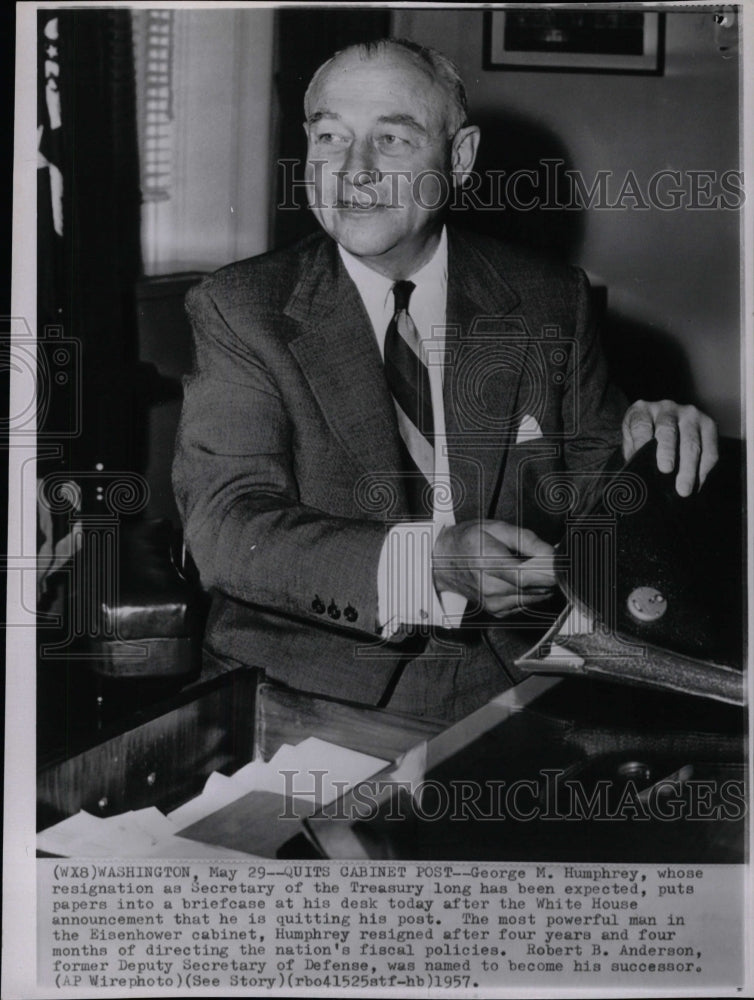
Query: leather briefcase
{"points": [[655, 583]]}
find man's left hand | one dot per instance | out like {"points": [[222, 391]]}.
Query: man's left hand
{"points": [[686, 439]]}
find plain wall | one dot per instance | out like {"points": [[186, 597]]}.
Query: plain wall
{"points": [[672, 277]]}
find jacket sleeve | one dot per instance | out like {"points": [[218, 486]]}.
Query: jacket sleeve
{"points": [[245, 526]]}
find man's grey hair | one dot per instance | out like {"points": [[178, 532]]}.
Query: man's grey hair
{"points": [[444, 71]]}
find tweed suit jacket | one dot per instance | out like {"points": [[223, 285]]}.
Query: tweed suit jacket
{"points": [[287, 463]]}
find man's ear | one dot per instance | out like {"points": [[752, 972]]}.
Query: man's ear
{"points": [[463, 153]]}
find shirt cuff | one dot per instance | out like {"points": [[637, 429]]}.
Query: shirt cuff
{"points": [[405, 587]]}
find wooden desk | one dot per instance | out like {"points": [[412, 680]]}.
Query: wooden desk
{"points": [[560, 769], [165, 755], [590, 731]]}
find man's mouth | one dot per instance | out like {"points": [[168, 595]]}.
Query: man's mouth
{"points": [[355, 206]]}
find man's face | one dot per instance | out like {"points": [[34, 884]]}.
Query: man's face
{"points": [[375, 128]]}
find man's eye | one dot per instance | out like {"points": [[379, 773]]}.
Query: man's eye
{"points": [[329, 139], [393, 141]]}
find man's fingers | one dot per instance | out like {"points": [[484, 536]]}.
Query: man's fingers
{"points": [[516, 602], [496, 587], [526, 584], [519, 540], [686, 440], [522, 575], [519, 573], [688, 459], [698, 450], [531, 575], [666, 433], [638, 428], [464, 554], [538, 572], [710, 453]]}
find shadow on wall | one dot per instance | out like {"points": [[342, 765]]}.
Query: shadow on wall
{"points": [[646, 361], [525, 196], [518, 181]]}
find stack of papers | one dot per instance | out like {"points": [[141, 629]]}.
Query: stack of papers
{"points": [[552, 650], [246, 815], [144, 833]]}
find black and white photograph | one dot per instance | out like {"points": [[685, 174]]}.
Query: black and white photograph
{"points": [[378, 562], [602, 40]]}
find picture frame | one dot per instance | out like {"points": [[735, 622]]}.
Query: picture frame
{"points": [[550, 39]]}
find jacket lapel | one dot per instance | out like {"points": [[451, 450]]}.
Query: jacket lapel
{"points": [[338, 354], [482, 375], [336, 349]]}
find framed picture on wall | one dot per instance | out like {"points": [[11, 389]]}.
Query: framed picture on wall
{"points": [[577, 41]]}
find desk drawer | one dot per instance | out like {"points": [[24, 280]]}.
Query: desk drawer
{"points": [[161, 762]]}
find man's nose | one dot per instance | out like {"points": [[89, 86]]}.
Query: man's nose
{"points": [[361, 164]]}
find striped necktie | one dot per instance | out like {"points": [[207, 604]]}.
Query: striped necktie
{"points": [[408, 379]]}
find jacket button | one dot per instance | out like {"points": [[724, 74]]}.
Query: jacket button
{"points": [[333, 610], [350, 614], [318, 605]]}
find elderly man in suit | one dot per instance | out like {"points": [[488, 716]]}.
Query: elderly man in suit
{"points": [[381, 418]]}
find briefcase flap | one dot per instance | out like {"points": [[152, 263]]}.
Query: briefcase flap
{"points": [[656, 582]]}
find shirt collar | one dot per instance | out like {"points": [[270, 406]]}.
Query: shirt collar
{"points": [[375, 289]]}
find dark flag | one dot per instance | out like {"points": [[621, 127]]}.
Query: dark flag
{"points": [[58, 531]]}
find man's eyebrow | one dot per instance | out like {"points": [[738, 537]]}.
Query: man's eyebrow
{"points": [[319, 115], [397, 119], [402, 119]]}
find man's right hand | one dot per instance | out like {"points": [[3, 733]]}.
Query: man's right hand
{"points": [[497, 566]]}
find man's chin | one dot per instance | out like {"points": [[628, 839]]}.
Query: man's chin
{"points": [[361, 232], [362, 244]]}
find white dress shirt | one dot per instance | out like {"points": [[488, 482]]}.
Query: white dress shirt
{"points": [[406, 591]]}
